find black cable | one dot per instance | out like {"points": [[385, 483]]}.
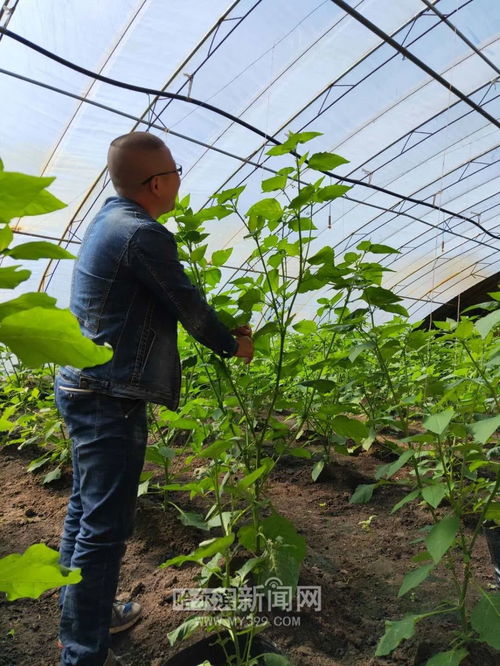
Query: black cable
{"points": [[416, 61], [134, 88], [161, 128], [239, 121]]}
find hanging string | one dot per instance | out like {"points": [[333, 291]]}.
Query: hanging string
{"points": [[330, 211]]}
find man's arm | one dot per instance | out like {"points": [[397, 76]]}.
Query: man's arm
{"points": [[153, 258]]}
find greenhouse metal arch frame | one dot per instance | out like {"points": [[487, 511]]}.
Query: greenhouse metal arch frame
{"points": [[463, 40]]}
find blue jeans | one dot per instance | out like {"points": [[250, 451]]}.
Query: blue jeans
{"points": [[108, 445]]}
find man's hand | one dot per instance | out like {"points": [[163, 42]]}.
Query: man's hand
{"points": [[245, 348], [242, 330]]}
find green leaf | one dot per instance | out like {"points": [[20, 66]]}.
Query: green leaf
{"points": [[25, 302], [249, 299], [227, 195], [414, 578], [40, 250], [442, 537], [251, 478], [485, 324], [317, 469], [143, 486], [187, 628], [448, 658], [465, 329], [388, 470], [274, 183], [379, 296], [159, 454], [53, 475], [325, 161], [324, 256], [395, 632], [5, 424], [43, 202], [45, 335], [423, 556], [37, 463], [292, 142], [214, 450], [321, 385], [305, 196], [395, 308], [375, 248], [191, 518], [282, 149], [331, 192], [198, 253], [493, 512], [351, 257], [206, 549], [482, 430], [434, 494], [222, 520], [306, 326], [485, 619], [213, 212], [10, 277], [268, 329], [247, 537], [363, 493], [352, 428], [407, 498], [438, 423], [6, 237], [288, 551], [359, 349], [300, 452], [18, 191], [212, 277], [276, 259], [270, 209], [302, 224], [219, 257], [273, 659], [33, 572], [184, 424]]}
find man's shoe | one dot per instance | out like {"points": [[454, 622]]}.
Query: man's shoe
{"points": [[124, 615]]}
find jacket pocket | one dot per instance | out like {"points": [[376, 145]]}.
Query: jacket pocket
{"points": [[149, 348]]}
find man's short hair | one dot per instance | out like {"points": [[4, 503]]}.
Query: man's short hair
{"points": [[138, 140], [129, 157]]}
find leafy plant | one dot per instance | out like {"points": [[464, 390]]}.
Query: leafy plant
{"points": [[37, 332], [454, 462], [34, 571], [259, 412], [31, 325]]}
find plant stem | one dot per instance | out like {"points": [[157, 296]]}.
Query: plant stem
{"points": [[481, 373]]}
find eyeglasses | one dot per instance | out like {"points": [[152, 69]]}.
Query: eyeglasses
{"points": [[178, 169]]}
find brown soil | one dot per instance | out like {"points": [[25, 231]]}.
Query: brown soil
{"points": [[359, 567]]}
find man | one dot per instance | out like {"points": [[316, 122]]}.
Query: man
{"points": [[128, 290]]}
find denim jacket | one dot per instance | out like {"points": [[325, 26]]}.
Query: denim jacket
{"points": [[130, 290]]}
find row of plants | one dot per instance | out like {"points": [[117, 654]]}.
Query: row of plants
{"points": [[348, 378], [337, 382]]}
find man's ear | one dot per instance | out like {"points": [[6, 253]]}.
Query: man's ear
{"points": [[154, 185]]}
